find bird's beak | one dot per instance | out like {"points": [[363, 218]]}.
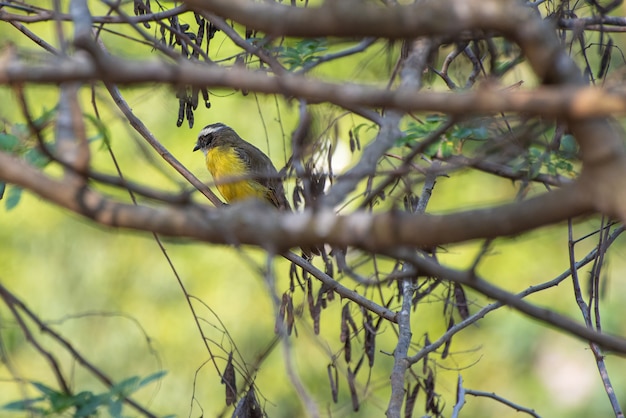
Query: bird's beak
{"points": [[196, 148]]}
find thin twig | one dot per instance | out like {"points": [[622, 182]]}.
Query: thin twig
{"points": [[585, 309], [445, 337], [309, 405], [167, 156], [561, 322], [460, 398], [335, 286], [42, 15], [360, 47], [13, 303], [504, 401]]}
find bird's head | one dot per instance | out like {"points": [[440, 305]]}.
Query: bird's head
{"points": [[209, 134]]}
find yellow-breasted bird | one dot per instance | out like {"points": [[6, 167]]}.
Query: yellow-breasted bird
{"points": [[241, 170]]}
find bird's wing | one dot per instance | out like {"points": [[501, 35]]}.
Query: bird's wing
{"points": [[268, 177]]}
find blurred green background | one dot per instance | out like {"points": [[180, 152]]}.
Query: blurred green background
{"points": [[113, 294]]}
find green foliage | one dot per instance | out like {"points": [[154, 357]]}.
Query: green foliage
{"points": [[102, 132], [449, 143], [13, 196], [8, 142], [18, 141], [84, 404], [11, 143], [537, 160], [302, 53]]}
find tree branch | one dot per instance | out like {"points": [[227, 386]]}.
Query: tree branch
{"points": [[253, 223], [430, 267], [549, 101]]}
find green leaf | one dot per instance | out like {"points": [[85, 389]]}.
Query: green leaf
{"points": [[302, 52], [36, 158], [45, 117], [45, 389], [115, 409], [407, 140], [89, 404], [432, 149], [551, 169], [479, 133], [8, 142], [61, 402], [565, 166], [3, 187], [462, 133], [12, 198], [447, 148], [435, 118], [125, 387], [415, 131], [568, 145], [24, 405], [151, 378], [101, 128], [534, 154]]}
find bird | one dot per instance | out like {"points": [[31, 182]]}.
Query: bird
{"points": [[240, 170]]}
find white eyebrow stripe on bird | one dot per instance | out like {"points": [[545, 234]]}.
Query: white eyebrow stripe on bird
{"points": [[211, 129]]}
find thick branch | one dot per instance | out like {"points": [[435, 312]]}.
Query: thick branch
{"points": [[546, 101], [360, 18], [263, 226]]}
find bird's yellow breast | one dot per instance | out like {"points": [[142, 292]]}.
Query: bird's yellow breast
{"points": [[227, 169]]}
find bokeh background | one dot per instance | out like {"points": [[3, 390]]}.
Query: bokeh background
{"points": [[113, 294]]}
